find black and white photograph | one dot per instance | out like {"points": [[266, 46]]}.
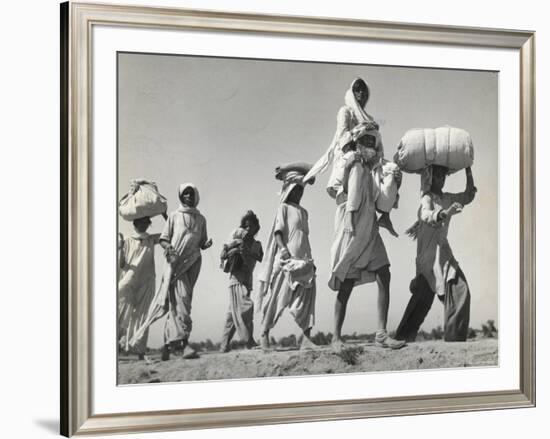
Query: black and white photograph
{"points": [[275, 219], [286, 218]]}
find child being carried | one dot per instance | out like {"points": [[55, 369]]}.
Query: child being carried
{"points": [[363, 145]]}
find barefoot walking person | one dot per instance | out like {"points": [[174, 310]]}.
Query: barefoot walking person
{"points": [[287, 279], [183, 238], [136, 285], [437, 270], [358, 254], [240, 255]]}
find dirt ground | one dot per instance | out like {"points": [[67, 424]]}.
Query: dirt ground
{"points": [[359, 357]]}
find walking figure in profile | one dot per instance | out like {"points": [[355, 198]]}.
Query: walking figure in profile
{"points": [[437, 270], [288, 276]]}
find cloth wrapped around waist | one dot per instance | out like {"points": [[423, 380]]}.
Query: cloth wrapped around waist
{"points": [[301, 272]]}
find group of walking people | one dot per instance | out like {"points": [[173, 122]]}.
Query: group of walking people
{"points": [[287, 277]]}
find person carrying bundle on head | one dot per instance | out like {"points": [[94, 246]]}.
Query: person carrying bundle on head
{"points": [[437, 270], [136, 285], [287, 279]]}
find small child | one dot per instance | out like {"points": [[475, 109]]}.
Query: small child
{"points": [[136, 286], [363, 145], [239, 258]]}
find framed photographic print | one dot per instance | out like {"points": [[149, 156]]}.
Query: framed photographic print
{"points": [[272, 219]]}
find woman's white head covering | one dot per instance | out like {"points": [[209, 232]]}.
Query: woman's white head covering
{"points": [[362, 117], [184, 186], [359, 111]]}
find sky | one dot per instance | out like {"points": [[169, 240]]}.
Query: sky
{"points": [[225, 124]]}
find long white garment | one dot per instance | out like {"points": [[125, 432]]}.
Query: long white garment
{"points": [[136, 288], [265, 273], [292, 283], [352, 256], [357, 256], [186, 231]]}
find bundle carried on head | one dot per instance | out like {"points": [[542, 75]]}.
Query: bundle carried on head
{"points": [[143, 199], [299, 169], [445, 146]]}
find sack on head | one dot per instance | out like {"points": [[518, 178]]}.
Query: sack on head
{"points": [[445, 146], [142, 200]]}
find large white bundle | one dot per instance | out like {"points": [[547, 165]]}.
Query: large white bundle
{"points": [[142, 200], [387, 187], [444, 146]]}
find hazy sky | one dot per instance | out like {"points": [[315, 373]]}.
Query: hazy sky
{"points": [[224, 124]]}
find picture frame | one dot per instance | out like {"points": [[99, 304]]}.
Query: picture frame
{"points": [[77, 318]]}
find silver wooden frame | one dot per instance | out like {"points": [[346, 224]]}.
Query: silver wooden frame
{"points": [[77, 20]]}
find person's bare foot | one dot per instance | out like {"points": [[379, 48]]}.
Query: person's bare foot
{"points": [[338, 345], [264, 343], [385, 222], [188, 353], [176, 348], [383, 340], [307, 344]]}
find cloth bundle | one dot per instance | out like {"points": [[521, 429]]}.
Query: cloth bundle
{"points": [[230, 257], [143, 199], [301, 168], [231, 260], [301, 272], [445, 146]]}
